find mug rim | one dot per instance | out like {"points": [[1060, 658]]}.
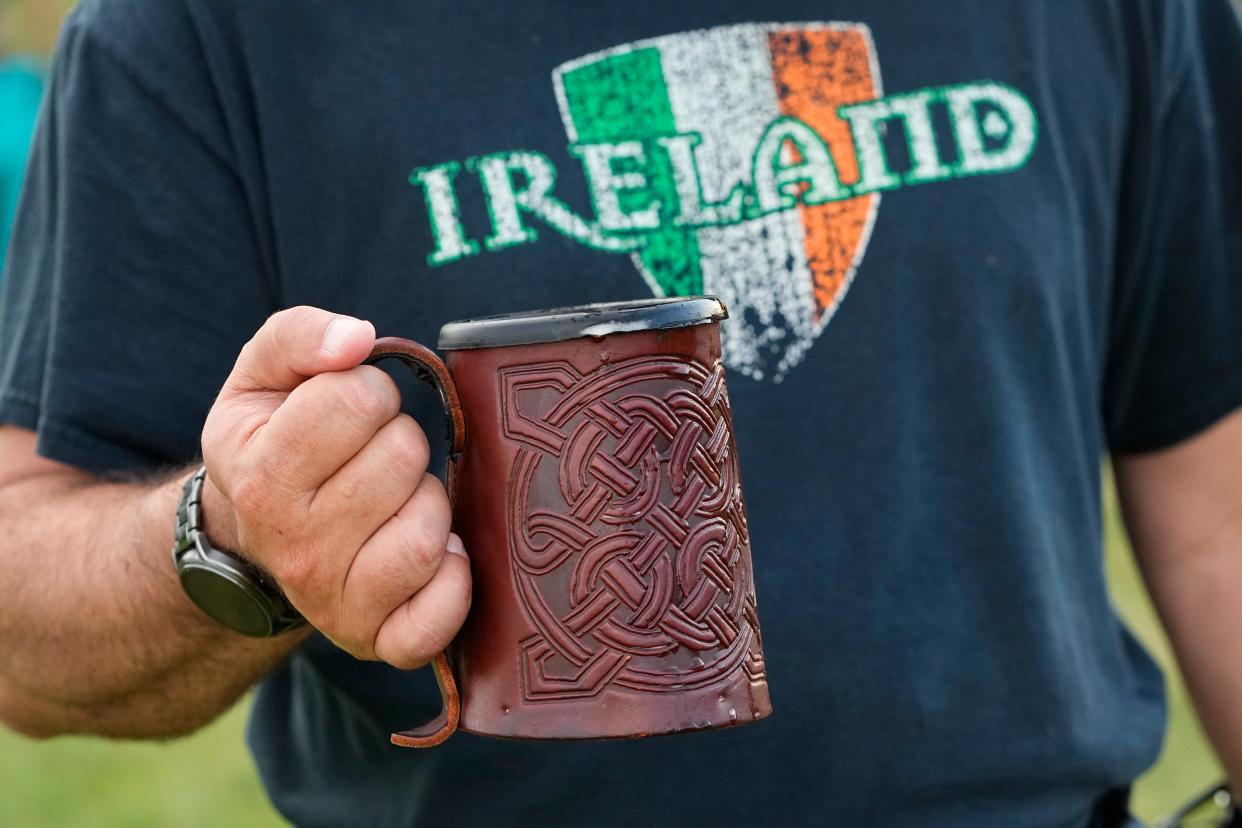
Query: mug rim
{"points": [[575, 322]]}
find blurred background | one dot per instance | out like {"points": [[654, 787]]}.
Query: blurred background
{"points": [[79, 781], [27, 34]]}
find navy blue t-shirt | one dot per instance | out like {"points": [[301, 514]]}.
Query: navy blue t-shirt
{"points": [[969, 248]]}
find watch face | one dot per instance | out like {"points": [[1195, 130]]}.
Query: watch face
{"points": [[230, 602]]}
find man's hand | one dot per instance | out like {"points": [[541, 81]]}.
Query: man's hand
{"points": [[316, 476], [312, 473]]}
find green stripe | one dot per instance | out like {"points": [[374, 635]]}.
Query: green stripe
{"points": [[624, 98]]}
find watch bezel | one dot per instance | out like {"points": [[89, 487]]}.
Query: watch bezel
{"points": [[194, 555]]}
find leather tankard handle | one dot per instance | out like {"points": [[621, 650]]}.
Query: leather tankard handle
{"points": [[431, 369]]}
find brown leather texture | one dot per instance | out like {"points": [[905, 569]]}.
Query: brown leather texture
{"points": [[598, 494], [428, 367]]}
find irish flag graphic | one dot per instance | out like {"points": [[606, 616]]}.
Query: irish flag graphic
{"points": [[783, 273]]}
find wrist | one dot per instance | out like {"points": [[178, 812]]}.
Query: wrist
{"points": [[219, 523], [226, 587]]}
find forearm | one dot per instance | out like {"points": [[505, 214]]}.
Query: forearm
{"points": [[95, 632], [175, 706], [1183, 510], [1196, 594]]}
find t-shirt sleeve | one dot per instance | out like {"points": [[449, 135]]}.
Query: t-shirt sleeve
{"points": [[1174, 359], [136, 271]]}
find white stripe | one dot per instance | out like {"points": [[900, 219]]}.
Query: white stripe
{"points": [[721, 86], [765, 283]]}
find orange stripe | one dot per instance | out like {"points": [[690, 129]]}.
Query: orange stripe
{"points": [[815, 72]]}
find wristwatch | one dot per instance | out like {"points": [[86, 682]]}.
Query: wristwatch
{"points": [[231, 591]]}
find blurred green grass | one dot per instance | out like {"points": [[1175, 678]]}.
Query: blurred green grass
{"points": [[208, 779]]}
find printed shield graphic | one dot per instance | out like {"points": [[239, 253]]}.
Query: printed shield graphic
{"points": [[782, 274]]}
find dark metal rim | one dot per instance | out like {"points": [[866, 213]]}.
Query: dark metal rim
{"points": [[559, 324]]}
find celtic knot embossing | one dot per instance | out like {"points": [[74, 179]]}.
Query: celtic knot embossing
{"points": [[630, 548]]}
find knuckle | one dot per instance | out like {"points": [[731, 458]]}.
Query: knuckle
{"points": [[419, 633], [428, 637], [284, 321], [279, 325], [421, 548], [438, 494], [387, 389], [250, 494], [360, 400], [370, 394], [409, 446], [284, 329]]}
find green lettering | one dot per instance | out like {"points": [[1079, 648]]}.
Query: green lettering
{"points": [[445, 214]]}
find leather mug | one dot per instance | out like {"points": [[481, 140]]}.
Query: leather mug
{"points": [[594, 480]]}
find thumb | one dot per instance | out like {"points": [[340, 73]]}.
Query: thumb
{"points": [[297, 344]]}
